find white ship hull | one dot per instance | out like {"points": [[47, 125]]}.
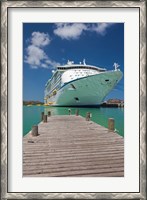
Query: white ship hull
{"points": [[86, 91]]}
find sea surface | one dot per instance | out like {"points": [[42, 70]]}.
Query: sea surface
{"points": [[32, 116]]}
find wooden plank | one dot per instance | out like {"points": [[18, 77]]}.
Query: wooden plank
{"points": [[97, 171], [71, 153], [87, 162], [74, 169]]}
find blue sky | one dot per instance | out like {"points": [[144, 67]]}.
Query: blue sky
{"points": [[46, 45]]}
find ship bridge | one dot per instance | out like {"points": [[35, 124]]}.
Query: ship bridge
{"points": [[71, 65]]}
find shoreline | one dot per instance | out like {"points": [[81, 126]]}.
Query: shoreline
{"points": [[109, 103]]}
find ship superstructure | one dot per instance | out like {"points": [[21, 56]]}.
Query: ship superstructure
{"points": [[80, 84]]}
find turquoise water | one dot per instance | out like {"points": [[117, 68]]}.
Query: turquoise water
{"points": [[32, 116]]}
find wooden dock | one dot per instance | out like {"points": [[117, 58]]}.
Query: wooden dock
{"points": [[70, 146]]}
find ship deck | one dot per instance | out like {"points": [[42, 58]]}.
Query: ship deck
{"points": [[70, 146]]}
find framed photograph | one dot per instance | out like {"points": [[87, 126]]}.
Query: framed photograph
{"points": [[62, 61]]}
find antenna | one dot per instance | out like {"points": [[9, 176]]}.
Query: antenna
{"points": [[84, 61], [116, 65]]}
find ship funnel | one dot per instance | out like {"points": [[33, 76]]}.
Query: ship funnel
{"points": [[70, 62]]}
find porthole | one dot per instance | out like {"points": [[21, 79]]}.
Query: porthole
{"points": [[76, 98]]}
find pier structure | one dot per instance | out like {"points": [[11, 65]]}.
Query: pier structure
{"points": [[72, 146]]}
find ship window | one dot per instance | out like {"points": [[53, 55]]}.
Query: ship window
{"points": [[72, 85], [107, 80]]}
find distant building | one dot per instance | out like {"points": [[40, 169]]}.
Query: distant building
{"points": [[113, 103], [25, 103]]}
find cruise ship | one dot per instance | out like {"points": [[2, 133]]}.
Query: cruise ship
{"points": [[80, 84]]}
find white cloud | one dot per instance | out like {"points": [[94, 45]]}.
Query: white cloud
{"points": [[40, 39], [35, 54], [44, 65], [34, 67], [52, 63], [101, 28], [74, 30], [69, 31]]}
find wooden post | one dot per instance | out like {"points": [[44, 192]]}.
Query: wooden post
{"points": [[49, 113], [111, 124], [42, 114], [45, 118], [77, 112], [34, 130], [69, 111], [88, 116]]}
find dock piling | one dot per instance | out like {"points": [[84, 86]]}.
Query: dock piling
{"points": [[111, 124], [88, 116], [34, 130], [77, 112], [69, 111], [42, 114], [49, 113], [45, 118]]}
